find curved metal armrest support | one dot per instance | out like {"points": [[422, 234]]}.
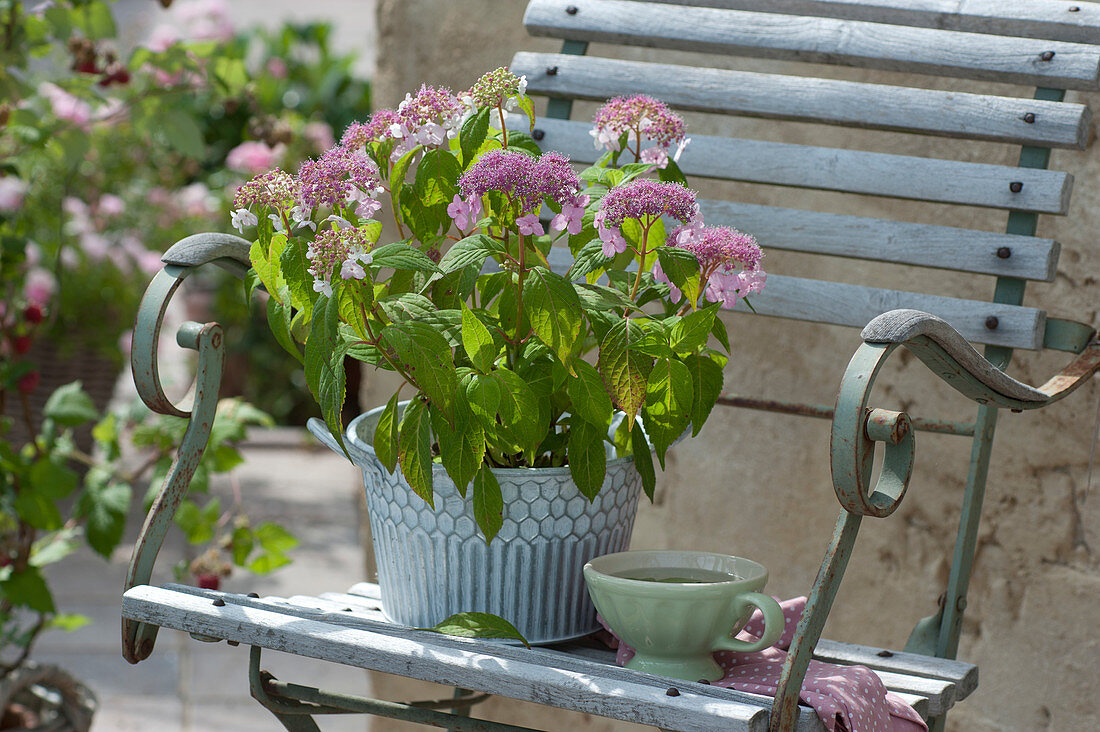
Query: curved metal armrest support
{"points": [[856, 429], [944, 350], [181, 260]]}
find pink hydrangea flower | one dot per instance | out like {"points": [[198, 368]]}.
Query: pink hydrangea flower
{"points": [[646, 198], [524, 179], [162, 38], [642, 119], [570, 218], [252, 157], [347, 248], [338, 176], [729, 261], [464, 213], [273, 189], [659, 274], [530, 225], [360, 134], [12, 191]]}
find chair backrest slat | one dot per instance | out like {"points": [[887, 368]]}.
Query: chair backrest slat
{"points": [[1057, 20], [850, 171], [1034, 62], [838, 303], [900, 242], [778, 96]]}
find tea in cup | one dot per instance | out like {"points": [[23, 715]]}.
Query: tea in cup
{"points": [[675, 608]]}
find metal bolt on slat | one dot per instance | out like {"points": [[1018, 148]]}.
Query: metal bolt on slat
{"points": [[253, 594], [551, 70], [885, 654], [1073, 9], [218, 602], [1029, 118], [1015, 186], [537, 134], [1046, 55], [672, 691], [992, 322], [571, 9], [1004, 253]]}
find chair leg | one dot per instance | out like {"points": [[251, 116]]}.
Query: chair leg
{"points": [[293, 719]]}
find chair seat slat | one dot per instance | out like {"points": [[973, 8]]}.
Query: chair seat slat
{"points": [[900, 242], [850, 171], [838, 303], [448, 661], [1050, 19], [820, 40], [963, 675], [778, 96]]}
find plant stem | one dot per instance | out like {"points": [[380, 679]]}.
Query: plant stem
{"points": [[641, 255], [503, 127]]}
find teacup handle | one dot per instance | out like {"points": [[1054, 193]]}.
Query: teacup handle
{"points": [[774, 623]]}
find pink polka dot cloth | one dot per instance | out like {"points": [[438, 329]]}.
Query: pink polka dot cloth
{"points": [[847, 698]]}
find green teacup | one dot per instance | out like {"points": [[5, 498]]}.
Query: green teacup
{"points": [[675, 608]]}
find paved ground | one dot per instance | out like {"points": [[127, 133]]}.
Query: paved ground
{"points": [[187, 685]]}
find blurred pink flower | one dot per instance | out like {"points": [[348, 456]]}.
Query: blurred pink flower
{"points": [[12, 190], [125, 342], [33, 255], [252, 157], [206, 20], [95, 245], [110, 205], [65, 105], [277, 68], [39, 286], [196, 200], [319, 135], [162, 37]]}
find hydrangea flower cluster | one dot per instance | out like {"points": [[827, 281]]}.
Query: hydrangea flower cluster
{"points": [[643, 119], [347, 247], [641, 199], [526, 181], [376, 129], [274, 189], [729, 262], [498, 88], [338, 176], [429, 119]]}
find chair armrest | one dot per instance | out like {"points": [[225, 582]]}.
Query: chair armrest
{"points": [[952, 358], [186, 256]]}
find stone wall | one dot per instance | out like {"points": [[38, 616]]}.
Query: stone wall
{"points": [[758, 484]]}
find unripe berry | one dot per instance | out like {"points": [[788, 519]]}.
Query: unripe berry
{"points": [[21, 344]]}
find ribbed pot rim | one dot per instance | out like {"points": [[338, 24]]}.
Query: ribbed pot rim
{"points": [[358, 443]]}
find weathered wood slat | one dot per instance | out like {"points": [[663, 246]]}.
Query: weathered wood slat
{"points": [[820, 40], [925, 245], [930, 685], [963, 675], [821, 301], [448, 661], [779, 96], [843, 304], [850, 171], [335, 612], [927, 695], [366, 589], [1051, 19]]}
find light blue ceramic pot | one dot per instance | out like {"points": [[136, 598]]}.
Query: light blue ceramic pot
{"points": [[435, 563]]}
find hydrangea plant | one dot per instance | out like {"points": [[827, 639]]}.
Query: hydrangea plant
{"points": [[507, 361]]}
